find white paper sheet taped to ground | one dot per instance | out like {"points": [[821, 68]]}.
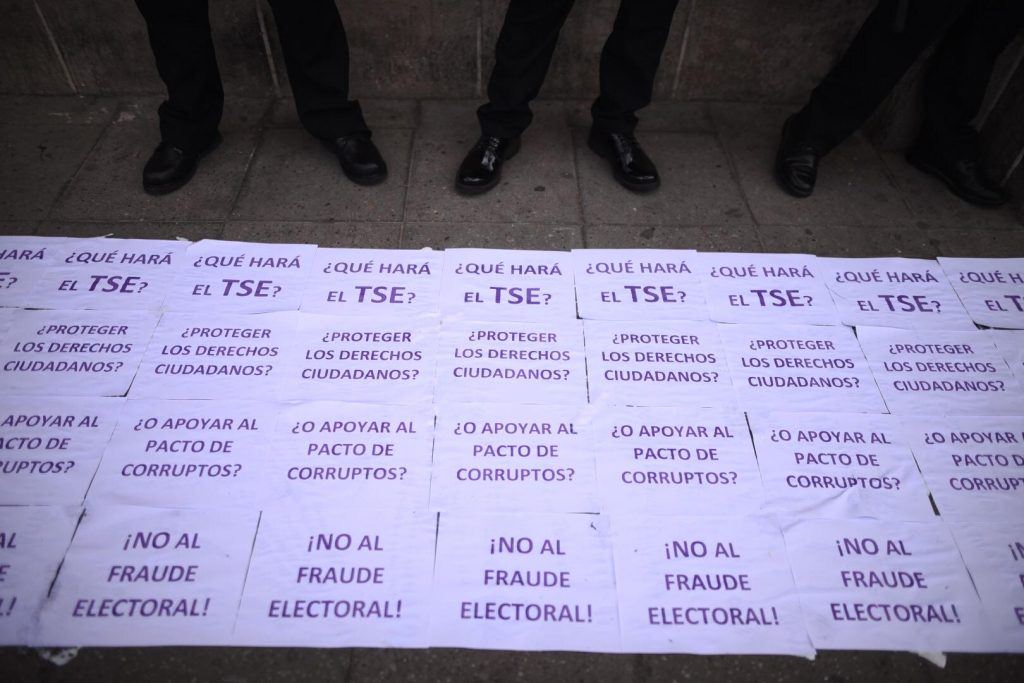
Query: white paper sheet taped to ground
{"points": [[363, 359], [74, 353], [638, 284], [338, 575], [766, 288], [386, 282], [511, 363], [994, 553], [991, 289], [869, 584], [838, 465], [804, 367], [941, 372], [708, 585], [212, 356], [150, 576], [33, 541], [51, 447], [241, 277], [23, 260], [974, 466], [894, 292], [102, 273], [187, 454], [364, 454], [667, 461], [507, 285], [508, 458], [1010, 344], [6, 317], [524, 581], [657, 363]]}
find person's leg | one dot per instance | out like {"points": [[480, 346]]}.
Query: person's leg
{"points": [[947, 146], [959, 72], [629, 62], [315, 51], [522, 57], [179, 35], [316, 56], [891, 39]]}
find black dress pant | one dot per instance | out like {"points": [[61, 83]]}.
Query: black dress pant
{"points": [[315, 54], [527, 41], [893, 36]]}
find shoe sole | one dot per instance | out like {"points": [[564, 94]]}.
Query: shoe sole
{"points": [[936, 172], [167, 188], [603, 152], [779, 177], [367, 180], [474, 190]]}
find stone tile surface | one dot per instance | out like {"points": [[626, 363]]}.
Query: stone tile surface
{"points": [[853, 186], [148, 231], [294, 178], [979, 242], [706, 238], [28, 62], [377, 112], [933, 204], [17, 228], [697, 186], [43, 142], [491, 236], [538, 185], [325, 234], [109, 183], [854, 241]]}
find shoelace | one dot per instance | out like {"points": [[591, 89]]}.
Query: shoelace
{"points": [[489, 146]]}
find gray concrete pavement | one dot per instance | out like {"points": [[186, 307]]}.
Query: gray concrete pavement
{"points": [[72, 166]]}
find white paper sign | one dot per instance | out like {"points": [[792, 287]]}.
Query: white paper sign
{"points": [[377, 455], [994, 554], [74, 353], [33, 541], [838, 465], [6, 317], [338, 576], [23, 260], [502, 457], [106, 273], [657, 364], [50, 447], [638, 284], [766, 288], [941, 372], [664, 461], [214, 356], [378, 282], [1010, 344], [524, 582], [707, 585], [367, 360], [241, 277], [187, 454], [884, 585], [507, 285], [511, 363], [894, 292], [150, 576], [803, 367], [992, 290], [974, 466]]}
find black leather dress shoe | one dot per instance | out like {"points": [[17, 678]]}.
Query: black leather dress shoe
{"points": [[360, 159], [796, 162], [481, 169], [170, 167], [630, 164], [963, 176]]}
